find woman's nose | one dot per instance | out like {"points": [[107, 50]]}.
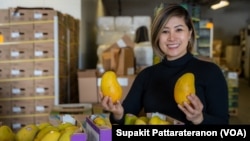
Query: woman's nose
{"points": [[170, 36]]}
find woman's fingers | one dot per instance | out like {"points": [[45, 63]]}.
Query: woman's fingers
{"points": [[192, 110], [195, 102], [105, 102]]}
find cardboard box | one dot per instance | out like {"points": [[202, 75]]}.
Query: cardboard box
{"points": [[23, 88], [44, 68], [20, 107], [126, 62], [22, 32], [78, 111], [171, 120], [21, 51], [18, 122], [119, 57], [87, 83], [5, 70], [72, 113], [4, 52], [5, 33], [120, 60], [20, 15], [95, 133], [44, 50], [38, 119], [44, 14], [21, 69], [4, 16], [44, 87], [5, 108], [44, 105], [43, 31], [5, 89]]}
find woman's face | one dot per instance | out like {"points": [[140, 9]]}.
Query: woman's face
{"points": [[174, 38]]}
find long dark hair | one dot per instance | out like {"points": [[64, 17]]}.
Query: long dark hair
{"points": [[141, 34]]}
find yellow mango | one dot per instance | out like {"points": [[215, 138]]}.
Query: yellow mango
{"points": [[184, 86], [110, 86]]}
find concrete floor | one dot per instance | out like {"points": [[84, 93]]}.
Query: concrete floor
{"points": [[242, 114]]}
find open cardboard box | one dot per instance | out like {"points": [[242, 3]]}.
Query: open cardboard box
{"points": [[173, 121], [95, 133], [119, 57], [73, 113]]}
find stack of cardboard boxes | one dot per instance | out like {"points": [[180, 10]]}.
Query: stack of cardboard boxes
{"points": [[119, 57], [115, 40], [34, 58]]}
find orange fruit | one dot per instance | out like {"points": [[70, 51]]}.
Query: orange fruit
{"points": [[184, 86], [110, 86]]}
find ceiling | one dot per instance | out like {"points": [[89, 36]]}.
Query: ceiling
{"points": [[117, 7], [203, 2]]}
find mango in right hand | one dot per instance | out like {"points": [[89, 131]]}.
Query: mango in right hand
{"points": [[110, 86], [184, 86]]}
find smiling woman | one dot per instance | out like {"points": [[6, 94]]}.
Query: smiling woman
{"points": [[172, 38]]}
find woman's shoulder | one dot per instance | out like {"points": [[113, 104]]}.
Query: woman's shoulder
{"points": [[205, 62], [206, 66], [148, 70]]}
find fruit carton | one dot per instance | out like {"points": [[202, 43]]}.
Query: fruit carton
{"points": [[97, 133], [79, 137], [170, 119]]}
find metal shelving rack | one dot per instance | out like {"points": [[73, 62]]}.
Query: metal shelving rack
{"points": [[205, 40]]}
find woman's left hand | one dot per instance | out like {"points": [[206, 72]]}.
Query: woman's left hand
{"points": [[193, 110]]}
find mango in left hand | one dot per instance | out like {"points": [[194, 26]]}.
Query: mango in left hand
{"points": [[110, 86], [184, 86]]}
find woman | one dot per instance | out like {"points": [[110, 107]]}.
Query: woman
{"points": [[173, 37], [143, 50]]}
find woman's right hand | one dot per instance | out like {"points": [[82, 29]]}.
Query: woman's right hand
{"points": [[116, 108]]}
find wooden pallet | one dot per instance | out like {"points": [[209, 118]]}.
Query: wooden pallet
{"points": [[72, 109], [78, 111]]}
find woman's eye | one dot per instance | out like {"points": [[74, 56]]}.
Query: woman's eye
{"points": [[164, 31], [178, 30]]}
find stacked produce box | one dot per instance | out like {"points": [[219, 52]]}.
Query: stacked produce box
{"points": [[38, 57]]}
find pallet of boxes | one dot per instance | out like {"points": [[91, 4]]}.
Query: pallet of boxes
{"points": [[36, 62]]}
